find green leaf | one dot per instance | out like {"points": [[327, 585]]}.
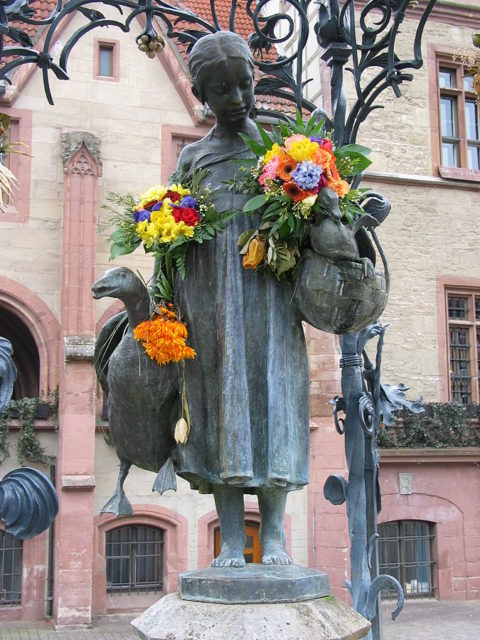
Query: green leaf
{"points": [[255, 203], [284, 130], [310, 125], [291, 221], [273, 206], [180, 265], [348, 149], [277, 136], [244, 237], [299, 118], [257, 148], [117, 236], [360, 163], [122, 250], [267, 141], [349, 217], [278, 224], [285, 229]]}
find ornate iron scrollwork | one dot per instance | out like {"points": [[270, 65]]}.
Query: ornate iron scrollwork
{"points": [[281, 75]]}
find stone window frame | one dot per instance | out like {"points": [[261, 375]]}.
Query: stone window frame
{"points": [[114, 45], [9, 569], [17, 209], [394, 537], [175, 550], [134, 546], [443, 57], [469, 287]]}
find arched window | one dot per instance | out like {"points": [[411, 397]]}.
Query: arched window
{"points": [[25, 355], [134, 558], [406, 552], [11, 558], [253, 548]]}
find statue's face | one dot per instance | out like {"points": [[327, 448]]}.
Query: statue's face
{"points": [[228, 91]]}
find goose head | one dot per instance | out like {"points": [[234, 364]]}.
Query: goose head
{"points": [[123, 284]]}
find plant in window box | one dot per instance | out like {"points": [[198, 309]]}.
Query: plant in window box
{"points": [[26, 411]]}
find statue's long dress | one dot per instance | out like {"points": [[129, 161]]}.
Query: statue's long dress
{"points": [[248, 387]]}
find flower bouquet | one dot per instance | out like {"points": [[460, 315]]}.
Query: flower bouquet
{"points": [[164, 220], [298, 175]]}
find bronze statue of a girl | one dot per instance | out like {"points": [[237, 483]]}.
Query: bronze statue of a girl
{"points": [[248, 387]]}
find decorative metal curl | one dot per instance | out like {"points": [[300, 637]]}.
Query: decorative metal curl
{"points": [[281, 75], [28, 502], [338, 405], [382, 582], [366, 410], [369, 44]]}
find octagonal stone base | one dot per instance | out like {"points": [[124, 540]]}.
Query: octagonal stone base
{"points": [[172, 618], [254, 583]]}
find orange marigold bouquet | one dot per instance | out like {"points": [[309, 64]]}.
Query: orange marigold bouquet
{"points": [[298, 174], [163, 337]]}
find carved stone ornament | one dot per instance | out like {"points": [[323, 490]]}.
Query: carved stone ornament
{"points": [[72, 142]]}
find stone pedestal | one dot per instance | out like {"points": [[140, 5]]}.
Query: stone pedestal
{"points": [[253, 584], [172, 618]]}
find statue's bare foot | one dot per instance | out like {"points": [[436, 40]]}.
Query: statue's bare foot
{"points": [[229, 557], [274, 553]]}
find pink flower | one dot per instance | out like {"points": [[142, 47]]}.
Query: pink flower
{"points": [[269, 172]]}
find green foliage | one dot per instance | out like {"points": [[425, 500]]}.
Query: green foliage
{"points": [[441, 425], [29, 448], [4, 431], [25, 411], [123, 239]]}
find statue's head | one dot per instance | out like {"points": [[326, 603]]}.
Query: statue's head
{"points": [[222, 72]]}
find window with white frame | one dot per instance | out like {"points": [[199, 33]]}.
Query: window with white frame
{"points": [[459, 117]]}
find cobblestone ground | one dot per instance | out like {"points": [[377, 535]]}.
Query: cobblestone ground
{"points": [[433, 620], [106, 628], [421, 620]]}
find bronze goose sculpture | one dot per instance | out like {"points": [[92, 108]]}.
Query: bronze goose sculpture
{"points": [[142, 396]]}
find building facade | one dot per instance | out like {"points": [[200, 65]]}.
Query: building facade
{"points": [[117, 125]]}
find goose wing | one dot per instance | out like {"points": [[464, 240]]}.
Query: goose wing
{"points": [[108, 340]]}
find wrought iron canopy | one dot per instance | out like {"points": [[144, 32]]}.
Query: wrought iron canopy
{"points": [[359, 37]]}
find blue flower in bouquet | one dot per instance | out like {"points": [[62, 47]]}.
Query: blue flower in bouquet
{"points": [[307, 174], [188, 202], [141, 216]]}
